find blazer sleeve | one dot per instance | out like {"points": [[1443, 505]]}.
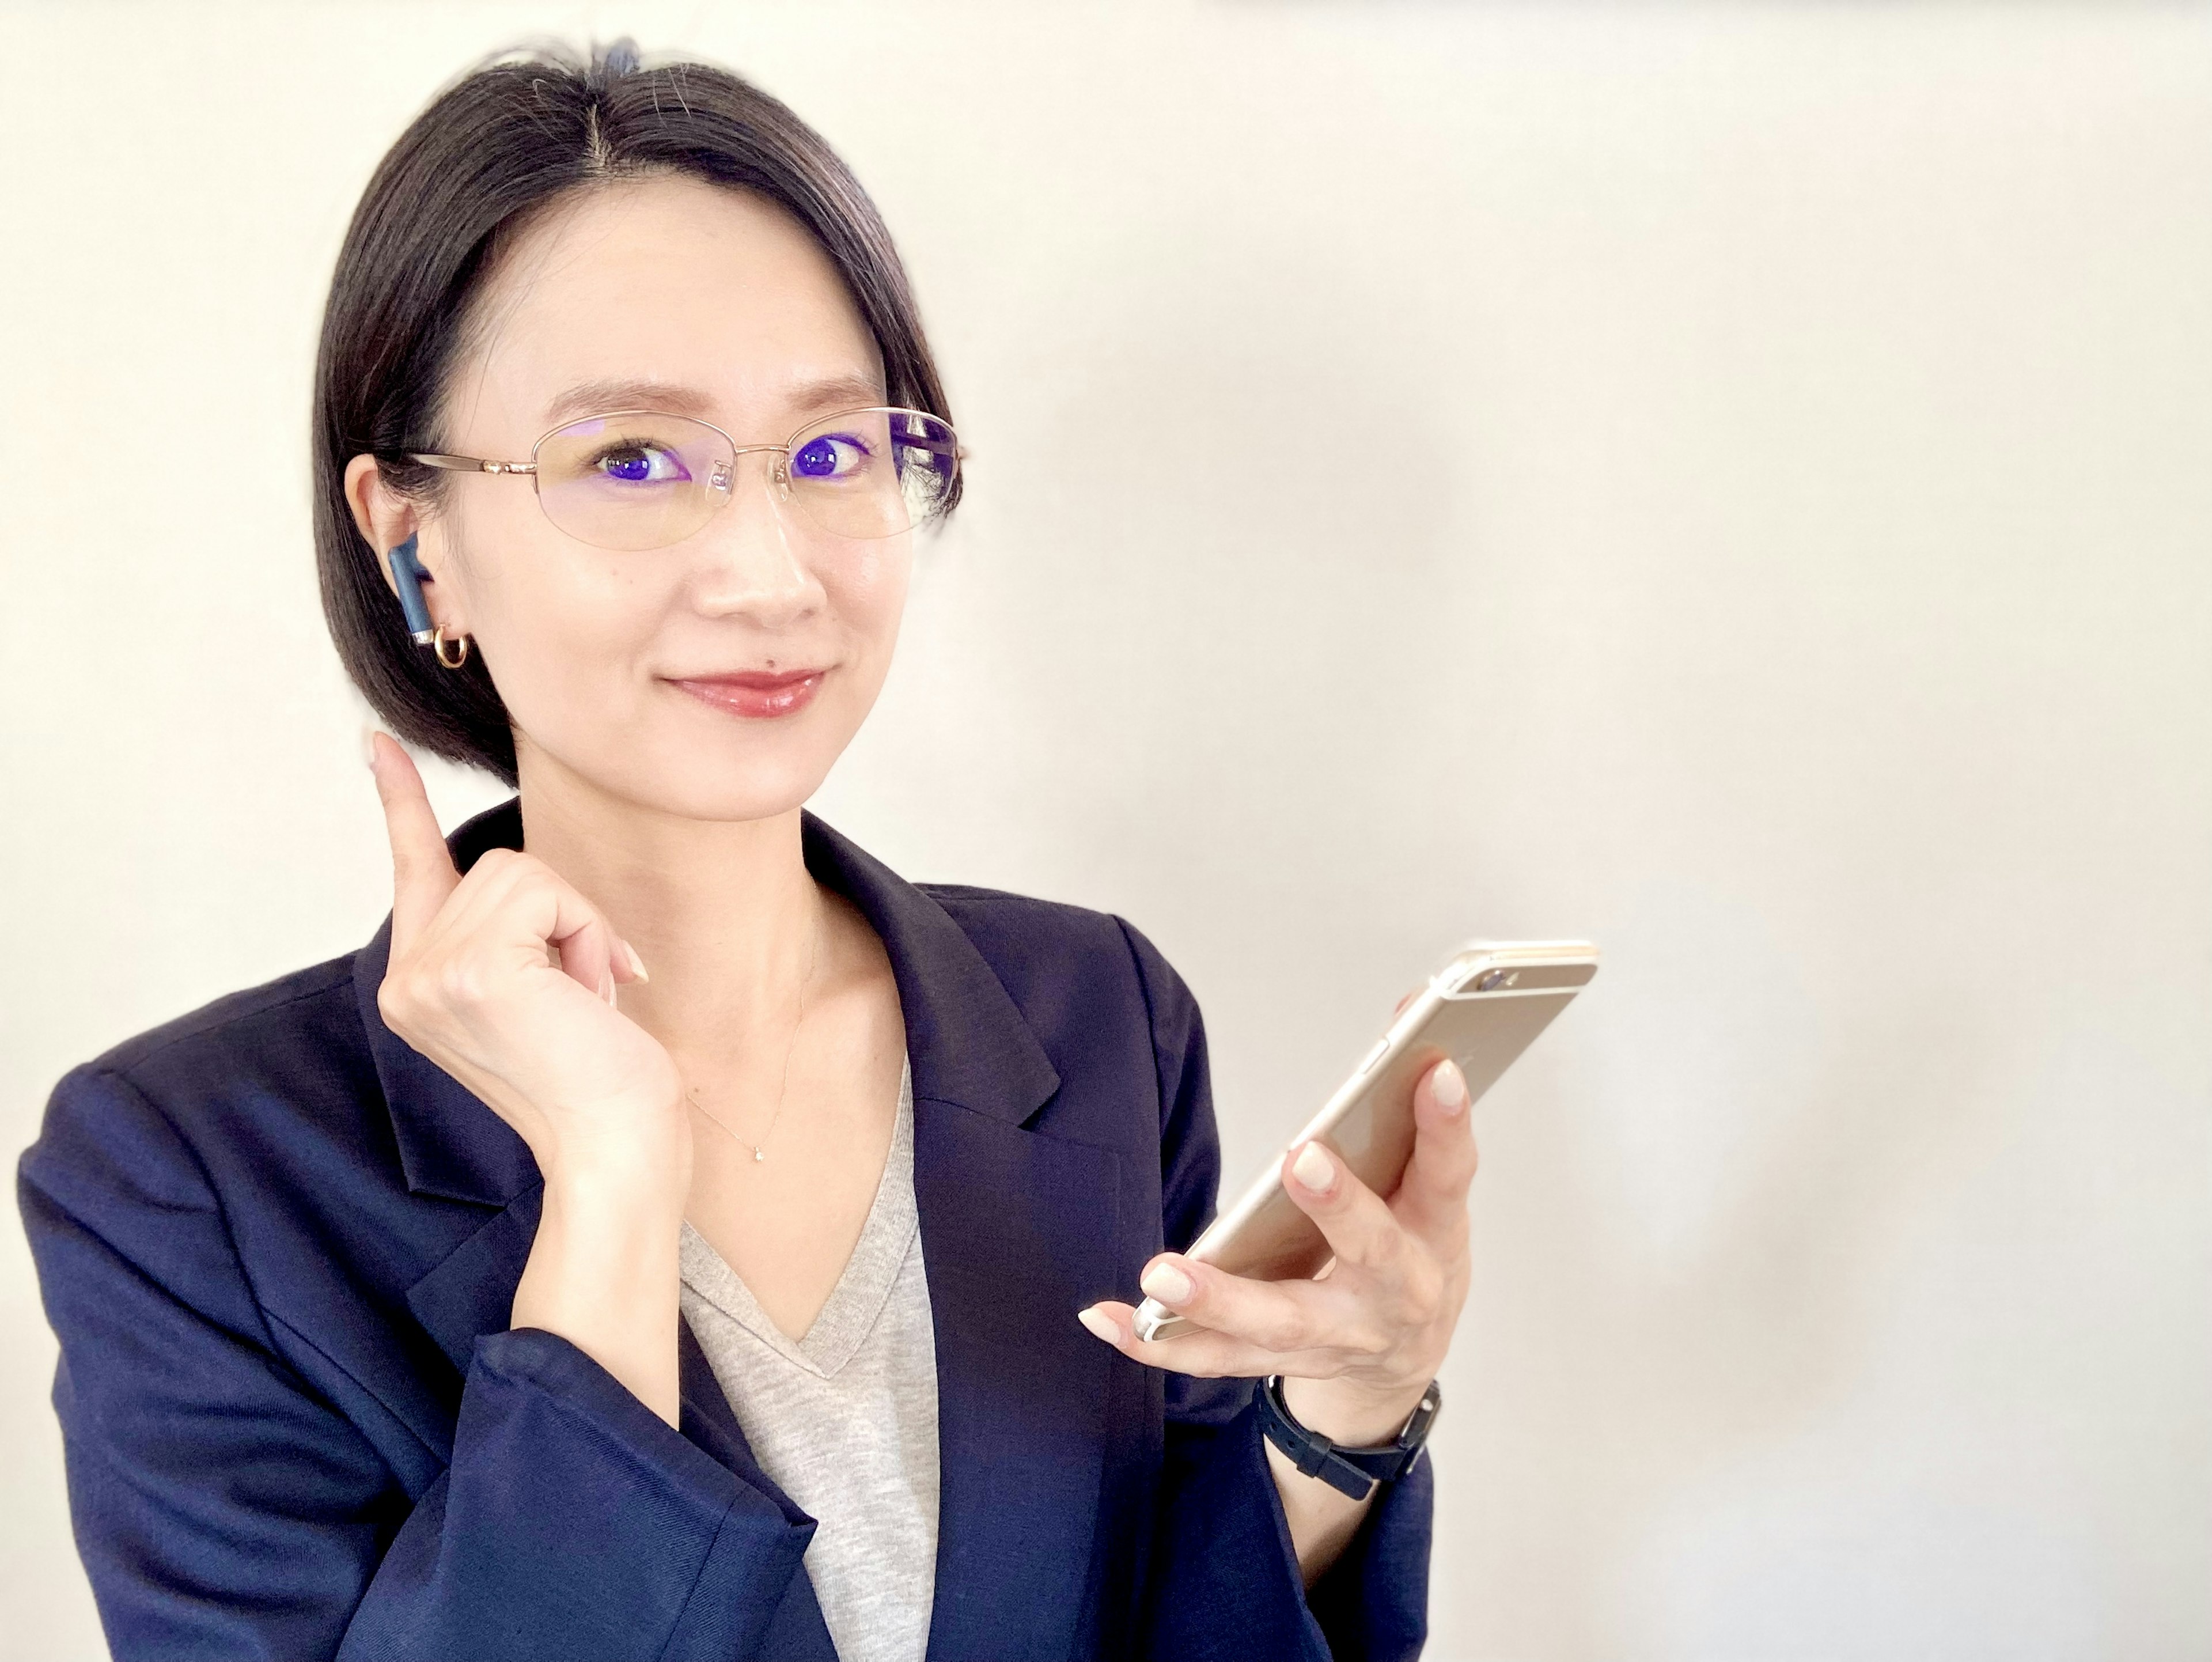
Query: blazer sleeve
{"points": [[225, 1509], [1225, 1580]]}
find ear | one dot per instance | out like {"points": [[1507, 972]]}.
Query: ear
{"points": [[386, 519]]}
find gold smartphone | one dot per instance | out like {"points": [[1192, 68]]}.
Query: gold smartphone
{"points": [[1482, 1009]]}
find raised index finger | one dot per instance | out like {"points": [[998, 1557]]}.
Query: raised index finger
{"points": [[423, 872]]}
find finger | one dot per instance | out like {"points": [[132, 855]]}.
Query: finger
{"points": [[1196, 1351], [1280, 1318], [423, 874], [591, 957], [1399, 1010], [520, 909], [1359, 1227], [1432, 1197], [557, 914]]}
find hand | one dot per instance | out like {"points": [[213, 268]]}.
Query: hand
{"points": [[506, 979], [1356, 1344]]}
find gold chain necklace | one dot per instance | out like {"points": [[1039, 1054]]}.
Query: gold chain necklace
{"points": [[759, 1149]]}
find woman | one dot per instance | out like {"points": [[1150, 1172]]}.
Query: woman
{"points": [[674, 1235]]}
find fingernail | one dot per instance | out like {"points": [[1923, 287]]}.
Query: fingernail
{"points": [[1449, 1085], [607, 986], [1167, 1283], [368, 747], [636, 964], [1100, 1326], [1313, 1168]]}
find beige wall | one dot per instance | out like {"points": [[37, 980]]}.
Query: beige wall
{"points": [[1731, 482]]}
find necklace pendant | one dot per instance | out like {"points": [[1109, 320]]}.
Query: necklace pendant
{"points": [[758, 1154]]}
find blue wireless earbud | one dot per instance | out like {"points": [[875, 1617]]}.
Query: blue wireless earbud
{"points": [[408, 575]]}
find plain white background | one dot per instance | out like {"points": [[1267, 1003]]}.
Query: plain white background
{"points": [[1728, 481]]}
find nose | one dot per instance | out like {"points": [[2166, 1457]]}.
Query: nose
{"points": [[751, 561]]}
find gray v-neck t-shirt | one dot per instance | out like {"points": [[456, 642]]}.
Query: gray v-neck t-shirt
{"points": [[844, 1419]]}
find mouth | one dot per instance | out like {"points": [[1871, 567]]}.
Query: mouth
{"points": [[758, 695]]}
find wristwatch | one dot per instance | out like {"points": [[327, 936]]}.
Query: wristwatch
{"points": [[1353, 1471]]}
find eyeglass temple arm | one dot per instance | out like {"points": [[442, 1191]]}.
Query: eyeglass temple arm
{"points": [[469, 464]]}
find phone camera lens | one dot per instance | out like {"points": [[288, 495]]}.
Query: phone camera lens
{"points": [[1492, 979]]}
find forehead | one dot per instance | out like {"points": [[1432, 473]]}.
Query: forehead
{"points": [[716, 294]]}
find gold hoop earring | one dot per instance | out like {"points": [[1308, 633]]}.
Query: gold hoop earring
{"points": [[439, 641]]}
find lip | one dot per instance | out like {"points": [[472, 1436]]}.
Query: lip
{"points": [[756, 694]]}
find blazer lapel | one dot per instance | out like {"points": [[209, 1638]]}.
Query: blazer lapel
{"points": [[1017, 1233]]}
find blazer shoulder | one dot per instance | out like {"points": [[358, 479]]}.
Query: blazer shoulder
{"points": [[235, 1025], [133, 1126], [249, 1067], [999, 916], [1047, 950], [1021, 932]]}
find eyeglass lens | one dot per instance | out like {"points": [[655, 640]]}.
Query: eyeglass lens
{"points": [[646, 480]]}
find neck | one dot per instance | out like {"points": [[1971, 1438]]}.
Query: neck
{"points": [[723, 912]]}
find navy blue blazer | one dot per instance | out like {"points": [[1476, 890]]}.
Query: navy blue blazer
{"points": [[279, 1247]]}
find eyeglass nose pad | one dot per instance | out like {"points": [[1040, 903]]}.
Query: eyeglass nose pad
{"points": [[721, 480], [779, 475]]}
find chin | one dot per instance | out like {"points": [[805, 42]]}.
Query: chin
{"points": [[756, 771], [685, 758]]}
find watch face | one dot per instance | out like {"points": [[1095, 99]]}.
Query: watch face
{"points": [[1424, 1418]]}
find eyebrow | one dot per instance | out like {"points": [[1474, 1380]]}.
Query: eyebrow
{"points": [[592, 398], [807, 398]]}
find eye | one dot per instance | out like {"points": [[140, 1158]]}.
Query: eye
{"points": [[829, 456], [632, 463]]}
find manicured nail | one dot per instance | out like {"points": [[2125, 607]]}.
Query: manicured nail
{"points": [[1449, 1085], [1168, 1284], [1313, 1169], [607, 986], [636, 964], [1101, 1326], [368, 747]]}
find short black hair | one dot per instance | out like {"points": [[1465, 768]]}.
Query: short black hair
{"points": [[502, 143]]}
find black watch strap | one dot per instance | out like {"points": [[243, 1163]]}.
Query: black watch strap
{"points": [[1353, 1471]]}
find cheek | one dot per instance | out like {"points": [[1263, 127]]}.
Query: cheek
{"points": [[560, 629], [868, 594]]}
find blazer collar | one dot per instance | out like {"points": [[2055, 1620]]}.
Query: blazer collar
{"points": [[966, 1041]]}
